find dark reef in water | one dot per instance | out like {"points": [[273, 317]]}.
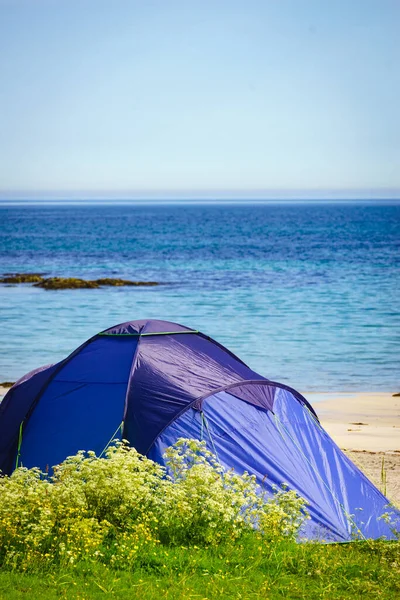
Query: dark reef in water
{"points": [[119, 282], [69, 283], [65, 283], [21, 278]]}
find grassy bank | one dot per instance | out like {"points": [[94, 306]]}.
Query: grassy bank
{"points": [[246, 569], [125, 527]]}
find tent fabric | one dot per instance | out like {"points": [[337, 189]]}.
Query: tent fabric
{"points": [[152, 382], [15, 408], [286, 446], [146, 327], [171, 371], [81, 404]]}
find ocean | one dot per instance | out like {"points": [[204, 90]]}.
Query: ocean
{"points": [[306, 294]]}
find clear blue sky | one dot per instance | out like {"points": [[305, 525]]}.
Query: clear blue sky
{"points": [[199, 98]]}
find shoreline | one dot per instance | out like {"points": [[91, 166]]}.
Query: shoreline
{"points": [[360, 421]]}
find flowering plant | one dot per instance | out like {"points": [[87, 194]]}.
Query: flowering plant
{"points": [[113, 509]]}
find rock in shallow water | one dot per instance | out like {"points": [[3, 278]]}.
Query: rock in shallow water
{"points": [[69, 283], [65, 283], [21, 278], [120, 282]]}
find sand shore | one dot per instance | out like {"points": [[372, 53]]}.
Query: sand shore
{"points": [[367, 427], [360, 421]]}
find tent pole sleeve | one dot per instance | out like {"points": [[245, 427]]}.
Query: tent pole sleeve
{"points": [[119, 428], [203, 417], [349, 517], [202, 426], [145, 334], [19, 445]]}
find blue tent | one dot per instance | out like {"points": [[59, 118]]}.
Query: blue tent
{"points": [[152, 382]]}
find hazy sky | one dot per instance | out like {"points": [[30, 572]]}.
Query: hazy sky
{"points": [[199, 98]]}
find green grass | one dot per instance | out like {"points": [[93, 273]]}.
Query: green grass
{"points": [[245, 570], [120, 527]]}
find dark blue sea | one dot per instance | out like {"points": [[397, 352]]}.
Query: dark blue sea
{"points": [[306, 294]]}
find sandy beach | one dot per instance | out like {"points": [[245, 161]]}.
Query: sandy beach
{"points": [[366, 426]]}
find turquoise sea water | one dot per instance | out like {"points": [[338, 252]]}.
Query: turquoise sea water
{"points": [[306, 294]]}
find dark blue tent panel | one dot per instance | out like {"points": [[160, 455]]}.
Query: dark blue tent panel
{"points": [[83, 402], [152, 382], [70, 417], [14, 410], [104, 360]]}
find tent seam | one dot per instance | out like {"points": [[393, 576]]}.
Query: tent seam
{"points": [[203, 418], [224, 388], [210, 339], [103, 334], [346, 514], [130, 379], [120, 427]]}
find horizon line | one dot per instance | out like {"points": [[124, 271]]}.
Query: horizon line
{"points": [[183, 201], [283, 195]]}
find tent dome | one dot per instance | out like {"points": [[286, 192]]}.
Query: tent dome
{"points": [[151, 382]]}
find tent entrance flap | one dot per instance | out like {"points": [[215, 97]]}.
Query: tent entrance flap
{"points": [[81, 407]]}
